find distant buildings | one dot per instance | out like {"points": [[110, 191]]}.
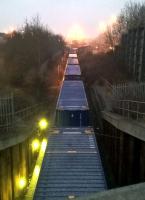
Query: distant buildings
{"points": [[133, 52]]}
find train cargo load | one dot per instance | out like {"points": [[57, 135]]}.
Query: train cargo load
{"points": [[72, 72], [72, 107], [72, 61], [72, 55]]}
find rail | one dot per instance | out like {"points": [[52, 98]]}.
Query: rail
{"points": [[10, 119], [134, 91], [129, 108], [27, 112]]}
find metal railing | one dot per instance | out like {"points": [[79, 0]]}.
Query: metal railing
{"points": [[129, 108], [28, 112], [134, 91], [9, 120], [6, 111]]}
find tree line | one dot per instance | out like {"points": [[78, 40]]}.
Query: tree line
{"points": [[130, 17], [106, 64], [24, 52]]}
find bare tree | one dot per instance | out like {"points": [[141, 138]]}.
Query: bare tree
{"points": [[26, 50], [134, 15], [131, 16]]}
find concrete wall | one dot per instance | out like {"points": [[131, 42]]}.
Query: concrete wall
{"points": [[133, 192], [16, 161], [123, 147]]}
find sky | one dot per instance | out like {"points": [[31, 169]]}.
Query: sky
{"points": [[60, 15]]}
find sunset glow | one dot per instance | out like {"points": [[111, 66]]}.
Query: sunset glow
{"points": [[10, 29], [102, 26], [76, 33], [112, 20]]}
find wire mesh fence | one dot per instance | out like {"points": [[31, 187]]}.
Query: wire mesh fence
{"points": [[9, 117], [131, 91], [129, 108], [6, 112], [129, 100]]}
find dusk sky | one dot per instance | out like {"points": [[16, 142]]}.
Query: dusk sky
{"points": [[60, 15]]}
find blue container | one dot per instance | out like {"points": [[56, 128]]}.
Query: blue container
{"points": [[72, 118], [72, 61], [72, 106], [72, 55], [72, 72]]}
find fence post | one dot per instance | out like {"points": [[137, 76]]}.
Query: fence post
{"points": [[12, 106], [123, 111], [137, 110], [128, 110]]}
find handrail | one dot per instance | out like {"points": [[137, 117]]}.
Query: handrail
{"points": [[8, 120], [129, 108], [128, 100]]}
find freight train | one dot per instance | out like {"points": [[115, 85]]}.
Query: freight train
{"points": [[72, 108], [71, 166]]}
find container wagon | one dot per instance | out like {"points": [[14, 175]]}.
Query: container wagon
{"points": [[73, 50], [72, 55], [72, 61], [72, 72], [71, 167], [72, 108]]}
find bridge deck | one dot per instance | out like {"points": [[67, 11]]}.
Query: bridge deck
{"points": [[71, 166]]}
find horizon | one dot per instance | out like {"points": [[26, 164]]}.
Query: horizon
{"points": [[89, 16]]}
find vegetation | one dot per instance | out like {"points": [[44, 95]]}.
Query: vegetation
{"points": [[100, 68], [30, 58], [108, 64], [131, 16]]}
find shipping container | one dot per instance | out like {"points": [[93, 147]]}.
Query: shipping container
{"points": [[71, 167], [73, 50], [72, 72], [72, 55], [72, 106], [72, 61]]}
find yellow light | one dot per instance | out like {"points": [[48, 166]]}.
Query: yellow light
{"points": [[44, 145], [37, 170], [35, 145], [43, 124], [22, 183]]}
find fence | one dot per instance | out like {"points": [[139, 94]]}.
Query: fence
{"points": [[28, 112], [133, 91], [129, 100], [129, 108], [6, 111], [8, 115]]}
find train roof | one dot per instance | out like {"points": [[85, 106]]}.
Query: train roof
{"points": [[72, 61], [72, 55], [73, 70], [72, 96], [72, 163]]}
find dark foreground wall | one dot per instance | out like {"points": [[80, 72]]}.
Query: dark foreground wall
{"points": [[123, 156], [16, 165]]}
